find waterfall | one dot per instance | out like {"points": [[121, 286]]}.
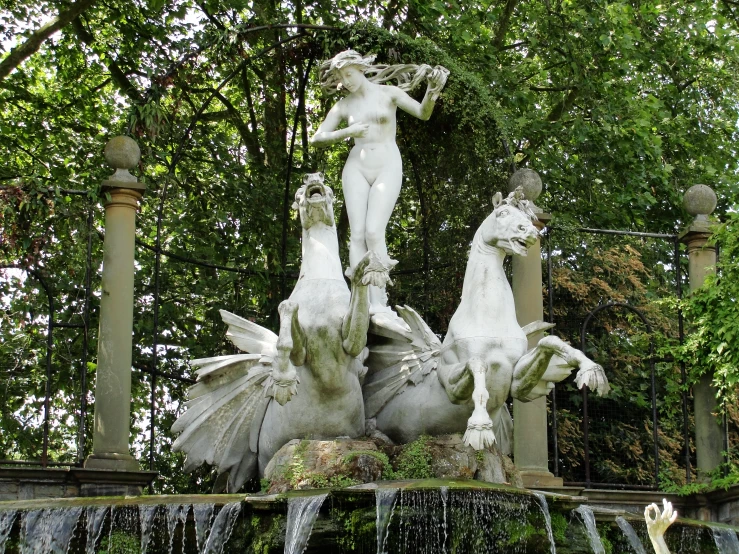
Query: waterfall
{"points": [[95, 516], [222, 528], [6, 525], [444, 492], [631, 535], [146, 521], [302, 512], [49, 531], [588, 519], [726, 541], [176, 513], [385, 504], [547, 520], [203, 516]]}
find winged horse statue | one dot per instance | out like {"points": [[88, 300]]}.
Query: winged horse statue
{"points": [[304, 382], [419, 385]]}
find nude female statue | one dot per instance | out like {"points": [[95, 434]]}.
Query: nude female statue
{"points": [[373, 171]]}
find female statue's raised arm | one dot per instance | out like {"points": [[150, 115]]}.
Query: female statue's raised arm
{"points": [[436, 80]]}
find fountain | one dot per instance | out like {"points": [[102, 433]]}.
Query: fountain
{"points": [[310, 381]]}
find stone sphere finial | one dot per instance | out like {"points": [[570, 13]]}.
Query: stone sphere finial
{"points": [[529, 180], [122, 153], [700, 201]]}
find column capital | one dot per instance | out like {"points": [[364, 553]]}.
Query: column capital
{"points": [[123, 154], [699, 201]]}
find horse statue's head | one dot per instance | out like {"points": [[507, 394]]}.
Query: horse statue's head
{"points": [[314, 201], [510, 226]]}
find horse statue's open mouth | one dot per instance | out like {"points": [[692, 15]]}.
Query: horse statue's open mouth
{"points": [[315, 193]]}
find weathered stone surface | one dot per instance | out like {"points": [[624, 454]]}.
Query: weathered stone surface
{"points": [[699, 200], [452, 459], [314, 464], [304, 464]]}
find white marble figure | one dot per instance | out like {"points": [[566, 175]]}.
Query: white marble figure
{"points": [[373, 171], [418, 385], [657, 524], [304, 382]]}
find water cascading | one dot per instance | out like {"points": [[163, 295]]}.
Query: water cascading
{"points": [[49, 530], [726, 540], [384, 506], [222, 528], [547, 519], [6, 525], [146, 522], [630, 535], [588, 519], [176, 514], [203, 515], [302, 512], [95, 516]]}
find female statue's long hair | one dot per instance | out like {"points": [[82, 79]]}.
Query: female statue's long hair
{"points": [[408, 76]]}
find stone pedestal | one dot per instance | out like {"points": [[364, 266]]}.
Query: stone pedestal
{"points": [[113, 376], [530, 443], [700, 201]]}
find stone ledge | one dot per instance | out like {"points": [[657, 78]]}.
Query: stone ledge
{"points": [[30, 483]]}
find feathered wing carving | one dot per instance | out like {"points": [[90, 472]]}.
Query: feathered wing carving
{"points": [[226, 405], [405, 357]]}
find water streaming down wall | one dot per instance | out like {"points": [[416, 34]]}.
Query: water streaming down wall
{"points": [[588, 519], [384, 505], [414, 518], [726, 540], [631, 535], [6, 525], [302, 512]]}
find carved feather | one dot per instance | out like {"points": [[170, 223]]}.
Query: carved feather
{"points": [[405, 357], [226, 405]]}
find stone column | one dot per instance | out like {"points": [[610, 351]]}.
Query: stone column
{"points": [[530, 445], [113, 378], [700, 201]]}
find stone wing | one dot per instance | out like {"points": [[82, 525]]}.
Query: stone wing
{"points": [[226, 406], [398, 357]]}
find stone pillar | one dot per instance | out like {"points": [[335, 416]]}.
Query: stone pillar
{"points": [[700, 201], [110, 449], [530, 445]]}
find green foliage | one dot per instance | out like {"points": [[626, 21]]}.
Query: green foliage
{"points": [[712, 344], [414, 460], [559, 527], [120, 543]]}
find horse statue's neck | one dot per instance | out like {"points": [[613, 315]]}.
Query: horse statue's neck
{"points": [[320, 253], [487, 299]]}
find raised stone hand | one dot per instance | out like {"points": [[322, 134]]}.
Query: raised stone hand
{"points": [[592, 375], [436, 80], [657, 524]]}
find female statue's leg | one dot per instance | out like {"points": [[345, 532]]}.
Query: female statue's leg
{"points": [[382, 197], [356, 195]]}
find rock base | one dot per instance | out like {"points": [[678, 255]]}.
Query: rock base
{"points": [[304, 464]]}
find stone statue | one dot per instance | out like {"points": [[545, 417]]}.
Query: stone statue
{"points": [[418, 385], [373, 172], [304, 382], [657, 524]]}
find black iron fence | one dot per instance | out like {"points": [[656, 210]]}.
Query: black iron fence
{"points": [[630, 440]]}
